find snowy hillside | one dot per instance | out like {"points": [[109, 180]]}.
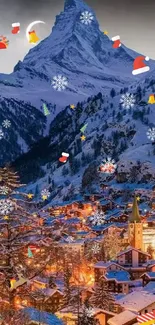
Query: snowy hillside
{"points": [[112, 131], [79, 52]]}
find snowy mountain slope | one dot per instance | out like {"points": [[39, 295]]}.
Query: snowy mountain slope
{"points": [[79, 52], [111, 132]]}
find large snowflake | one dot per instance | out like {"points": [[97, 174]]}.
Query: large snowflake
{"points": [[6, 124], [59, 83], [127, 100], [6, 207], [151, 134], [86, 17], [108, 166], [96, 248], [1, 134], [98, 219], [45, 194], [4, 190]]}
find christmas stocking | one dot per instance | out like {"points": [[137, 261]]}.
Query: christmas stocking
{"points": [[16, 28], [64, 157], [116, 41]]}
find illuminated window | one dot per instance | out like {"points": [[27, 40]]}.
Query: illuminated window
{"points": [[24, 302]]}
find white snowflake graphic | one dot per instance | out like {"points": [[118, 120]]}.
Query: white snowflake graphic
{"points": [[1, 134], [69, 239], [59, 83], [6, 124], [98, 219], [108, 166], [151, 134], [86, 17], [90, 312], [45, 193], [127, 100], [4, 190], [96, 248], [6, 207]]}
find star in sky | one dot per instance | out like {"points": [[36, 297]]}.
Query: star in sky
{"points": [[105, 32], [72, 106], [83, 138], [44, 197], [6, 218], [30, 195]]}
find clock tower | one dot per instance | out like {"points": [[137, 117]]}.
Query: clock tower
{"points": [[135, 227]]}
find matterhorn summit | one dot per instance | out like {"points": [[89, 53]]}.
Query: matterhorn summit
{"points": [[79, 4], [76, 61]]}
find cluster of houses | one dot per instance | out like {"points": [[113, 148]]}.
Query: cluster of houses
{"points": [[130, 277]]}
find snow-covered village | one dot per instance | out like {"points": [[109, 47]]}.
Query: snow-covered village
{"points": [[90, 261], [77, 177]]}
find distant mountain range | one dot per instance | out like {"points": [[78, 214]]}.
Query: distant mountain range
{"points": [[96, 75]]}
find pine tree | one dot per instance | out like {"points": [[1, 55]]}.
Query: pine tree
{"points": [[16, 223], [112, 245], [52, 284], [112, 93], [102, 298], [67, 299], [150, 251], [46, 111]]}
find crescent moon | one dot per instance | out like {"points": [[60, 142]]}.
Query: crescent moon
{"points": [[31, 25]]}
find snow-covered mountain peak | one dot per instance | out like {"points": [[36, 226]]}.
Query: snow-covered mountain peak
{"points": [[74, 3], [76, 55]]}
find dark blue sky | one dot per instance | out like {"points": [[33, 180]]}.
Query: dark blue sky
{"points": [[133, 20]]}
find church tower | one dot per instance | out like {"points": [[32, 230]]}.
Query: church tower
{"points": [[135, 227]]}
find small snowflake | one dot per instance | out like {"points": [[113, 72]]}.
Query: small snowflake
{"points": [[6, 124], [98, 219], [1, 134], [59, 83], [89, 312], [108, 166], [86, 18], [151, 134], [4, 190], [6, 207], [96, 248], [127, 100], [45, 194]]}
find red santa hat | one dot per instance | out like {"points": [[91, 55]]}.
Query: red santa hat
{"points": [[139, 66]]}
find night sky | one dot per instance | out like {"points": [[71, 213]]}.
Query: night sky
{"points": [[133, 20]]}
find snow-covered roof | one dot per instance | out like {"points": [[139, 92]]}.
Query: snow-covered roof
{"points": [[73, 309], [150, 275], [103, 265], [149, 263], [75, 242], [103, 201], [122, 318], [150, 287], [132, 248], [41, 279], [137, 300], [42, 317], [119, 276], [50, 292], [72, 221], [151, 219]]}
